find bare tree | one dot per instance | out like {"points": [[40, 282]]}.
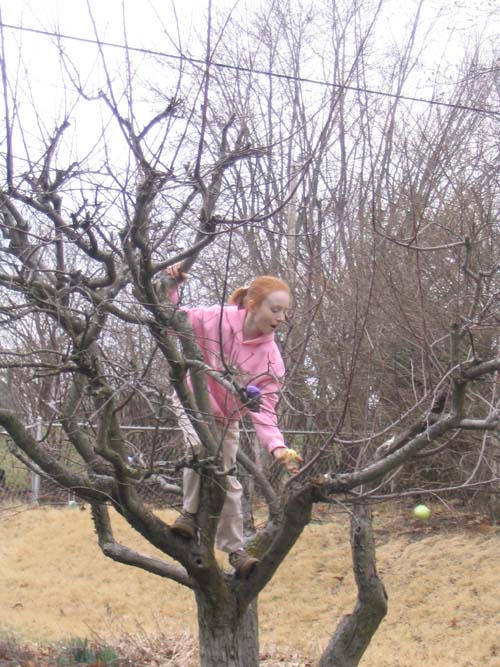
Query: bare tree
{"points": [[384, 368]]}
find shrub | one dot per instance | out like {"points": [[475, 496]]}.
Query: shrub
{"points": [[82, 652]]}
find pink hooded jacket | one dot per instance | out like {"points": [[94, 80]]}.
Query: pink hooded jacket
{"points": [[257, 360]]}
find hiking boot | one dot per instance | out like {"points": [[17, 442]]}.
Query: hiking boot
{"points": [[242, 562], [185, 525]]}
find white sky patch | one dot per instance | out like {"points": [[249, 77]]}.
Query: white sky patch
{"points": [[46, 84], [446, 29]]}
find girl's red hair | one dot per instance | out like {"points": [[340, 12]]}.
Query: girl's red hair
{"points": [[257, 291]]}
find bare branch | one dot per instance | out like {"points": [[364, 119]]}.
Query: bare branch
{"points": [[127, 556]]}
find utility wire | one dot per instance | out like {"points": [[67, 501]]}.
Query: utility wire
{"points": [[249, 70]]}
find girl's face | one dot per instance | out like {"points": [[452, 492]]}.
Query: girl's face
{"points": [[269, 315]]}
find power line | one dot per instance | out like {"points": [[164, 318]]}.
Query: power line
{"points": [[249, 70]]}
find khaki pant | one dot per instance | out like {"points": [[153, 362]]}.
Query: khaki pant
{"points": [[229, 536]]}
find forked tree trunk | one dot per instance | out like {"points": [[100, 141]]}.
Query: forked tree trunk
{"points": [[227, 637], [355, 631]]}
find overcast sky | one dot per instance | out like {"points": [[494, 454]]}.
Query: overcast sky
{"points": [[447, 27]]}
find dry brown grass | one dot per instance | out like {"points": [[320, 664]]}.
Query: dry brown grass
{"points": [[441, 577]]}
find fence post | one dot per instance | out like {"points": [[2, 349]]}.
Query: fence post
{"points": [[35, 477]]}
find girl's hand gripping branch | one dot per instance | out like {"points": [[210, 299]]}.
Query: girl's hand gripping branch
{"points": [[175, 272]]}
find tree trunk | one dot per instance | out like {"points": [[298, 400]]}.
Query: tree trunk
{"points": [[228, 638], [355, 631]]}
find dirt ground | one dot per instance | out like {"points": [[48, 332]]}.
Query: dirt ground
{"points": [[441, 577]]}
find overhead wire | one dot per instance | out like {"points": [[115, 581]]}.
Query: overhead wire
{"points": [[250, 70]]}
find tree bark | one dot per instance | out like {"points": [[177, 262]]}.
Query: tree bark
{"points": [[228, 636], [355, 631]]}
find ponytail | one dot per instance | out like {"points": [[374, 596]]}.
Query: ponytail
{"points": [[238, 297]]}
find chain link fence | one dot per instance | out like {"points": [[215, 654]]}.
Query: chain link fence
{"points": [[21, 482], [155, 450]]}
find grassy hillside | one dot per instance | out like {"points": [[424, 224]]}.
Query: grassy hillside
{"points": [[441, 577]]}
